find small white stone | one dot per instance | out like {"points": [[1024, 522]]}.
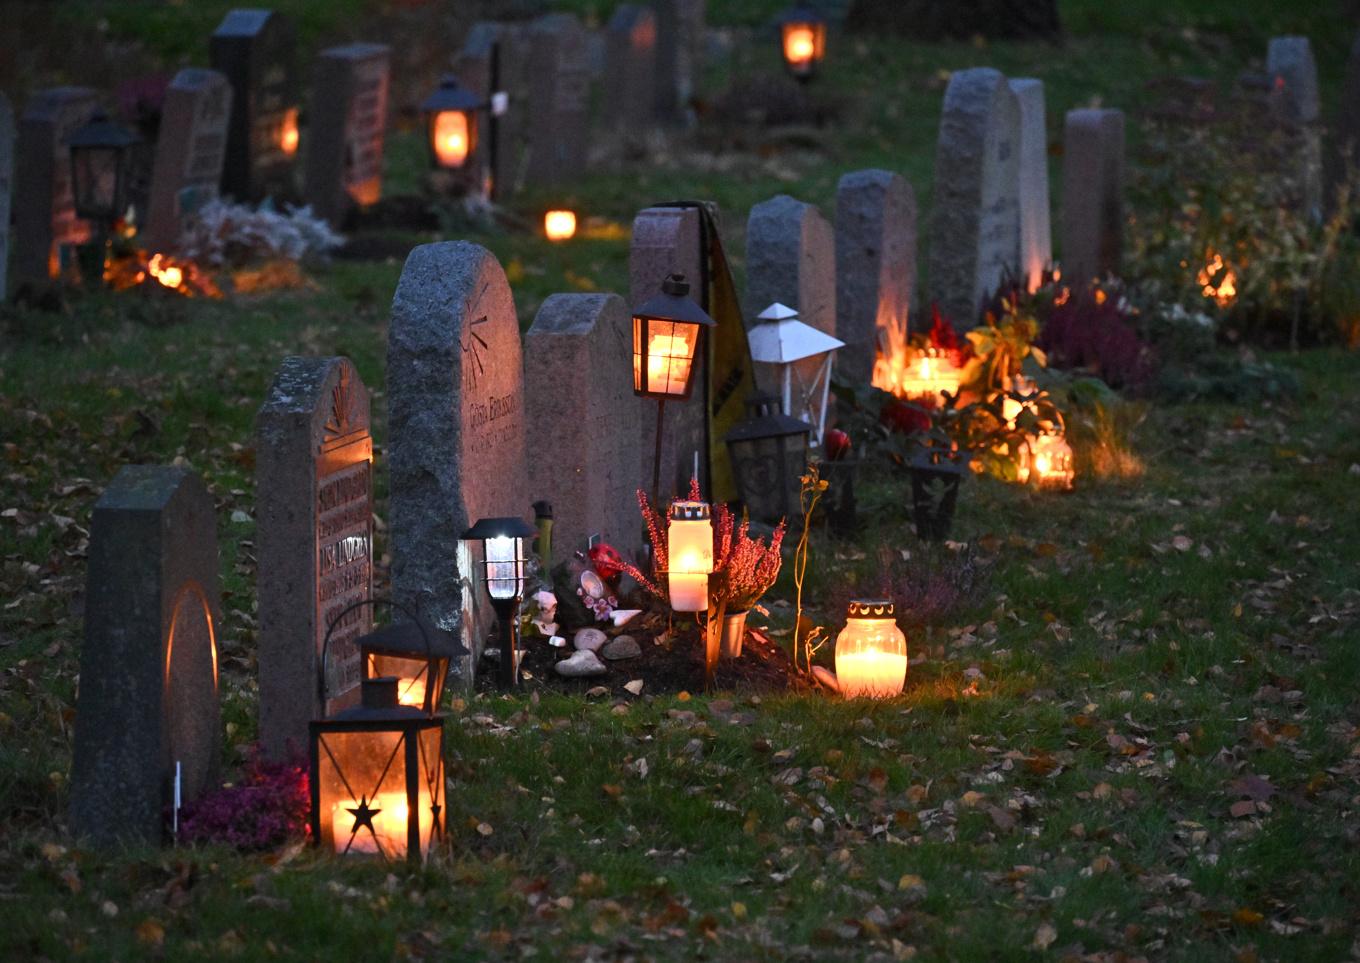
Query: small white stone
{"points": [[623, 616], [589, 639], [635, 687], [581, 663], [826, 677]]}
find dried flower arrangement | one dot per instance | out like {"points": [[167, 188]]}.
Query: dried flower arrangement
{"points": [[265, 808]]}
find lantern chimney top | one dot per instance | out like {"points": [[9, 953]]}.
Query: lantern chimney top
{"points": [[675, 285], [380, 693], [871, 609]]}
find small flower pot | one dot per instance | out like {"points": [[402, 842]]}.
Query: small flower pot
{"points": [[934, 495], [733, 632]]}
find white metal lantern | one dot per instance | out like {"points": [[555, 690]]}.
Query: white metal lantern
{"points": [[779, 338]]}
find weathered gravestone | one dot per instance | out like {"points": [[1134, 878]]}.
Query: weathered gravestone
{"points": [[6, 181], [875, 268], [1294, 80], [559, 100], [630, 67], [148, 701], [1036, 232], [679, 55], [456, 430], [493, 58], [313, 543], [255, 50], [975, 226], [790, 258], [190, 149], [1345, 159], [45, 222], [668, 240], [346, 128], [1093, 194], [580, 418]]}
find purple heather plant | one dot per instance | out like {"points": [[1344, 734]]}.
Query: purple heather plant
{"points": [[264, 809]]}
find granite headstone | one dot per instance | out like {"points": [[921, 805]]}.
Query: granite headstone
{"points": [[190, 150], [256, 51], [1345, 159], [680, 31], [1093, 194], [45, 223], [1036, 232], [1294, 82], [313, 543], [580, 417], [630, 67], [148, 700], [975, 225], [346, 128], [559, 100], [6, 183], [455, 430], [668, 240], [875, 268]]}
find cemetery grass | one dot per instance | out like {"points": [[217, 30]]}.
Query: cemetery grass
{"points": [[1140, 736]]}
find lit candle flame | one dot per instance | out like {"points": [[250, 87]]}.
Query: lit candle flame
{"points": [[559, 225], [667, 363], [799, 45], [451, 137]]}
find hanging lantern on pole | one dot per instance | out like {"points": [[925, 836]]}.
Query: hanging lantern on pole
{"points": [[802, 41]]}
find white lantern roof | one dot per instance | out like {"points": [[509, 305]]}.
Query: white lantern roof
{"points": [[780, 338]]}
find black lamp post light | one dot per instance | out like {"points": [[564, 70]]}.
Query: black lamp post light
{"points": [[802, 41], [452, 124], [505, 553]]}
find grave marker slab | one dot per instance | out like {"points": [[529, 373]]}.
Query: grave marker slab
{"points": [[630, 66], [1036, 232], [190, 150], [346, 129], [580, 418], [256, 51], [456, 430], [975, 225], [668, 240], [1093, 194], [679, 55], [498, 48], [148, 666], [790, 258], [1294, 79], [875, 267], [559, 100], [1347, 153], [45, 222], [6, 183], [314, 542]]}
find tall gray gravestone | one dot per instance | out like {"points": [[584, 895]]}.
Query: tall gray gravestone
{"points": [[6, 183], [190, 150], [455, 430], [559, 100], [45, 222], [256, 51], [1346, 156], [500, 49], [313, 543], [680, 27], [1093, 194], [580, 415], [875, 268], [630, 66], [1036, 232], [1294, 80], [975, 225], [346, 127], [148, 701], [669, 240], [790, 258]]}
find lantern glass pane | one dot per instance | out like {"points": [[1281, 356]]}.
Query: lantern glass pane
{"points": [[364, 807], [95, 181], [431, 742], [663, 355], [800, 45], [768, 470], [871, 658], [287, 133], [412, 675], [451, 137], [504, 567], [689, 548]]}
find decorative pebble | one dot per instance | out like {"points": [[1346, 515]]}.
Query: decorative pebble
{"points": [[581, 663], [589, 639], [624, 647], [623, 616], [826, 677], [635, 687]]}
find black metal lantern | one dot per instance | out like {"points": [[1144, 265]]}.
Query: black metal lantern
{"points": [[415, 653], [377, 777], [666, 334], [769, 451], [451, 124], [802, 41], [101, 159], [505, 555]]}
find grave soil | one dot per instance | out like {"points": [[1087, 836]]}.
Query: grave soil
{"points": [[676, 664]]}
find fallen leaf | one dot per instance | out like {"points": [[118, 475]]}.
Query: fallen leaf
{"points": [[150, 932], [1045, 936]]}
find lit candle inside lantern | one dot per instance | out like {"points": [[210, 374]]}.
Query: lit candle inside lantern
{"points": [[389, 814], [668, 361], [502, 566], [1051, 462], [871, 651], [927, 377], [559, 225], [689, 540], [451, 137], [288, 132], [411, 692], [800, 44]]}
